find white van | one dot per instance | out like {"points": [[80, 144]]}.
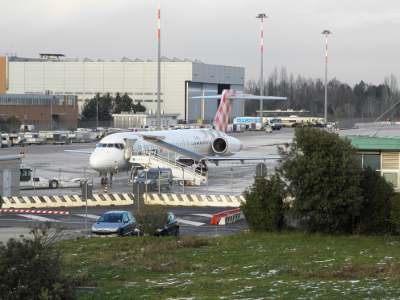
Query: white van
{"points": [[274, 122]]}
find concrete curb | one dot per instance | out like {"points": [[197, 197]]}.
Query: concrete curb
{"points": [[193, 200], [168, 199], [39, 212], [66, 201]]}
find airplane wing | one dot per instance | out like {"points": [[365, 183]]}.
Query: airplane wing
{"points": [[79, 151], [241, 97], [242, 159], [158, 141], [255, 97], [199, 157]]}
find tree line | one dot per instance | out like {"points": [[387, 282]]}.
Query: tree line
{"points": [[108, 105], [363, 100]]}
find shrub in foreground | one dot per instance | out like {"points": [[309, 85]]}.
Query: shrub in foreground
{"points": [[376, 207], [31, 269], [263, 208], [395, 214], [150, 218]]}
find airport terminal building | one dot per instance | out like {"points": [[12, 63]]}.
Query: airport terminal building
{"points": [[180, 81]]}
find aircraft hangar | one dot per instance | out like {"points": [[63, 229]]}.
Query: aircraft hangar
{"points": [[181, 79]]}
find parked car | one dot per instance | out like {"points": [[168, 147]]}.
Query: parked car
{"points": [[171, 228], [121, 223]]}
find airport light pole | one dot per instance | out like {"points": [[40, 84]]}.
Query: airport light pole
{"points": [[159, 67], [326, 33], [97, 111], [261, 16]]}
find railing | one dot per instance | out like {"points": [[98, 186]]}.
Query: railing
{"points": [[190, 172]]}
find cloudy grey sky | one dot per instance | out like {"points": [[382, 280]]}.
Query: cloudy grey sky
{"points": [[365, 43]]}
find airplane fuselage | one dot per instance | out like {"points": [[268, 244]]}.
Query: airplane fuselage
{"points": [[109, 155]]}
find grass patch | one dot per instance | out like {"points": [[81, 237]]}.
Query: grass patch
{"points": [[245, 265]]}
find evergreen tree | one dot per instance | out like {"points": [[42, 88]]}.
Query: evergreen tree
{"points": [[324, 178], [376, 206], [123, 103], [138, 108], [264, 204], [104, 104]]}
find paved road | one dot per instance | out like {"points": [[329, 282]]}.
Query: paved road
{"points": [[193, 221]]}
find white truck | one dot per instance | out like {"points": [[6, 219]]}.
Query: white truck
{"points": [[31, 138], [29, 181]]}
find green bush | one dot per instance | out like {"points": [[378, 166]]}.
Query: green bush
{"points": [[377, 197], [263, 208], [31, 269], [150, 218], [395, 214], [324, 179]]}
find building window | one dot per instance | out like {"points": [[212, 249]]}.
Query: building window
{"points": [[392, 178], [372, 161]]}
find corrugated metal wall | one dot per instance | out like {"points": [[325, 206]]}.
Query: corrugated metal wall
{"points": [[138, 79]]}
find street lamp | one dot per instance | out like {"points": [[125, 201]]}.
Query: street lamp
{"points": [[326, 33], [261, 16]]}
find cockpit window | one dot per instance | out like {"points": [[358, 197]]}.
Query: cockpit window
{"points": [[118, 146]]}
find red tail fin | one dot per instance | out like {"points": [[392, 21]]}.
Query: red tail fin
{"points": [[221, 119]]}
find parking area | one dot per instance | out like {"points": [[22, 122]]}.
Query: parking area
{"points": [[193, 221]]}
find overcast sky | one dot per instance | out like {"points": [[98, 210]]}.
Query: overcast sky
{"points": [[365, 43]]}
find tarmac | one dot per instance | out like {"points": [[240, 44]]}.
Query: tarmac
{"points": [[51, 161]]}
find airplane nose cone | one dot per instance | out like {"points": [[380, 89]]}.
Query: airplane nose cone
{"points": [[95, 161]]}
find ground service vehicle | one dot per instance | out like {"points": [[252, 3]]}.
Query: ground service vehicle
{"points": [[155, 178], [5, 140], [274, 122], [29, 181], [121, 223]]}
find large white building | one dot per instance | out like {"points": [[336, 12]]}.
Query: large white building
{"points": [[180, 80]]}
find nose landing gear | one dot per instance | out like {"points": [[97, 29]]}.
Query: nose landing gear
{"points": [[106, 182]]}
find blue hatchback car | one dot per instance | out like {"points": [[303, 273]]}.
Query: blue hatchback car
{"points": [[121, 223]]}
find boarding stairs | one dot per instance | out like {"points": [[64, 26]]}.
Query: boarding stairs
{"points": [[181, 172]]}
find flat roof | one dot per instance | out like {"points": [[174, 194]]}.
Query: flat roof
{"points": [[375, 143]]}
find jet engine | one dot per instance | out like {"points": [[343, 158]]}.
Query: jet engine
{"points": [[225, 145]]}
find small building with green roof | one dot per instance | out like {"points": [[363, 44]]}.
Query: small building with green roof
{"points": [[381, 154]]}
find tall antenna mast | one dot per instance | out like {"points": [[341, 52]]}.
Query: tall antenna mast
{"points": [[261, 16], [159, 67]]}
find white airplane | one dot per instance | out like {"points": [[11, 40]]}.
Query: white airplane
{"points": [[193, 146]]}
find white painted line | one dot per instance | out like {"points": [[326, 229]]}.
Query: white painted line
{"points": [[203, 215], [192, 223], [38, 218], [89, 216]]}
